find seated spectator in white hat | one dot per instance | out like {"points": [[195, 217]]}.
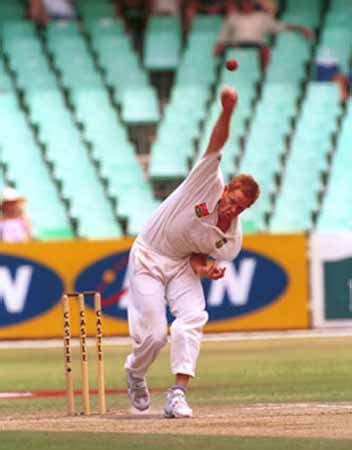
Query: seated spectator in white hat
{"points": [[14, 223]]}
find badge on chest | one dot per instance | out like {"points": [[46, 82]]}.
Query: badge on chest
{"points": [[201, 210], [220, 243]]}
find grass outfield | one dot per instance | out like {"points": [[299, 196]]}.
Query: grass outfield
{"points": [[109, 441], [229, 373]]}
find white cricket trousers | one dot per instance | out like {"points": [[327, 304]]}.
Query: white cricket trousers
{"points": [[156, 280]]}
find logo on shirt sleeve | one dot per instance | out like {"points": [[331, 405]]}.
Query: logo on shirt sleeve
{"points": [[201, 210], [220, 243]]}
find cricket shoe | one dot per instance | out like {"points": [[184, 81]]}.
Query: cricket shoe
{"points": [[176, 404], [138, 392]]}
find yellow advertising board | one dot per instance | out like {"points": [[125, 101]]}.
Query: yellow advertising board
{"points": [[265, 288], [278, 297], [65, 261]]}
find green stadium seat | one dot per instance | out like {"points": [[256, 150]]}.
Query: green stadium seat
{"points": [[162, 43], [248, 62], [304, 17], [64, 48], [89, 9], [230, 152], [82, 189], [114, 53], [116, 78], [253, 219], [192, 74], [139, 216], [292, 47], [334, 216], [108, 46], [45, 104], [140, 106], [342, 6], [23, 48], [111, 150], [13, 29], [68, 48], [66, 28], [299, 6], [5, 80], [162, 51], [11, 10], [204, 23], [88, 102], [2, 180], [163, 23], [338, 42], [307, 159], [338, 18], [167, 165], [198, 65], [103, 26], [35, 80]]}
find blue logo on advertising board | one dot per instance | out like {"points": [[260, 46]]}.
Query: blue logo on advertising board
{"points": [[251, 282], [107, 276], [27, 289]]}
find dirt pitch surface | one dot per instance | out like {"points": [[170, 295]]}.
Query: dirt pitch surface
{"points": [[324, 420]]}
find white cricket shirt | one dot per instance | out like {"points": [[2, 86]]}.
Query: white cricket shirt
{"points": [[185, 222]]}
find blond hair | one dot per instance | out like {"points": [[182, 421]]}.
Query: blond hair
{"points": [[246, 184]]}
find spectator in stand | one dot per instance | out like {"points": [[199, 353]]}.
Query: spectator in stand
{"points": [[245, 27], [193, 7], [165, 7], [42, 11], [14, 223], [268, 6]]}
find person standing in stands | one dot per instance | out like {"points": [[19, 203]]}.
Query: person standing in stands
{"points": [[14, 223], [196, 226], [246, 27], [165, 7]]}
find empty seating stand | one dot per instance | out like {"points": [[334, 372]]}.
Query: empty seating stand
{"points": [[305, 13], [162, 51], [95, 8], [174, 148], [11, 10], [289, 59], [162, 43], [335, 215], [25, 169], [246, 82], [5, 79], [114, 155], [265, 146], [25, 56], [311, 143], [133, 94], [72, 168], [65, 49]]}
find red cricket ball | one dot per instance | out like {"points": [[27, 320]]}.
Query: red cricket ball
{"points": [[231, 64]]}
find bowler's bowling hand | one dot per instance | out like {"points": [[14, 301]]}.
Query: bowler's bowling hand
{"points": [[211, 271]]}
